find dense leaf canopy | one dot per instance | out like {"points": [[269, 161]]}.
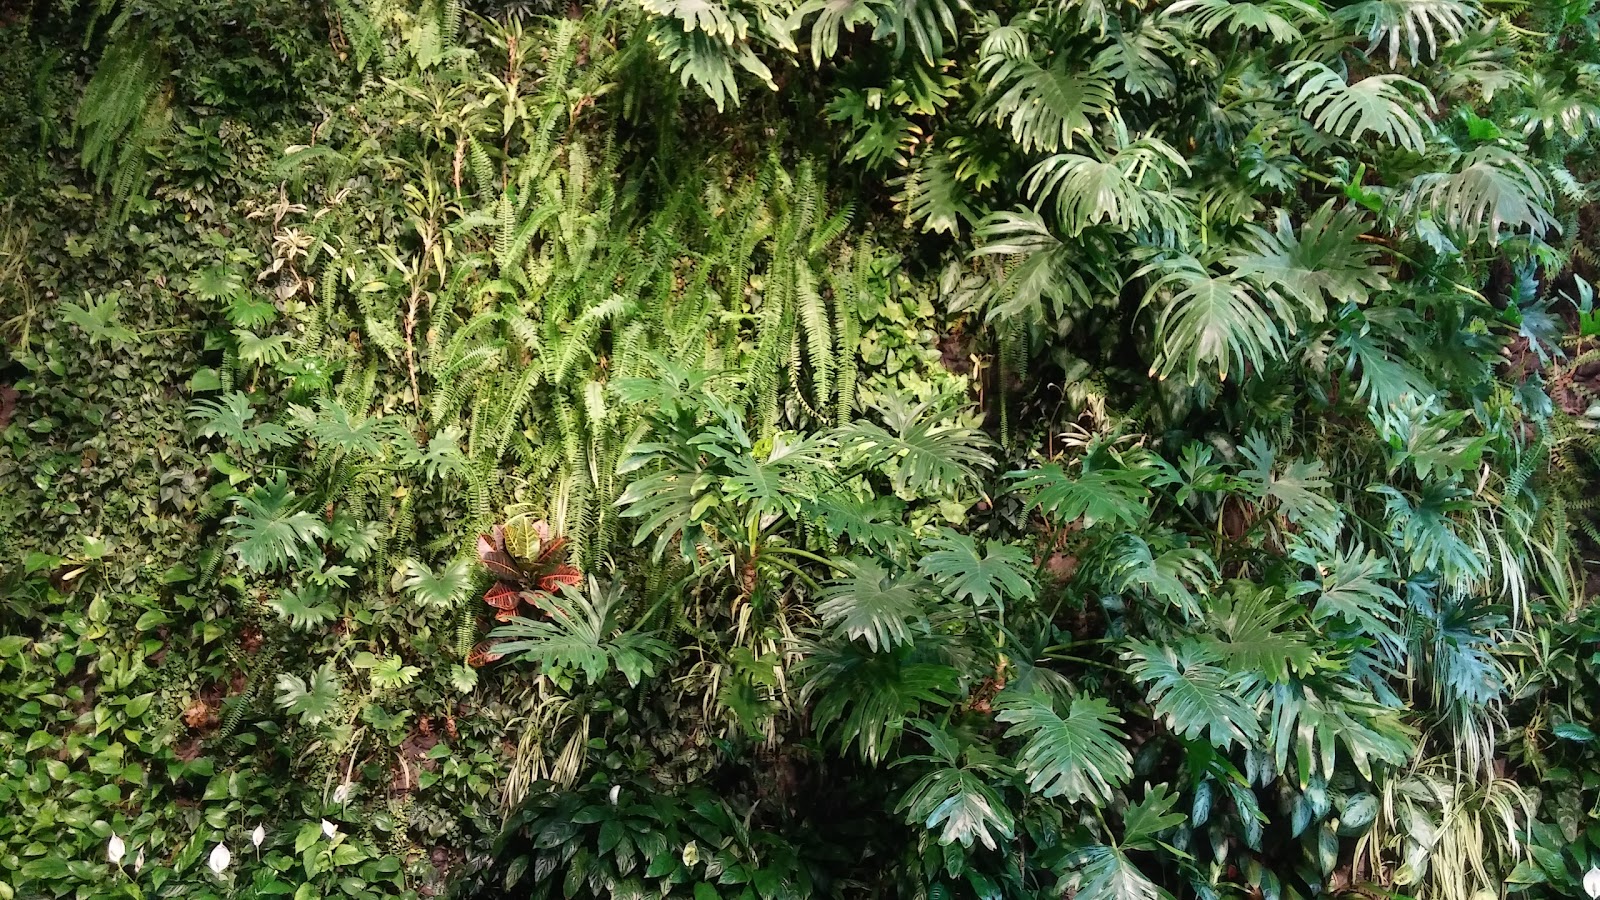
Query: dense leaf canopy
{"points": [[1107, 449]]}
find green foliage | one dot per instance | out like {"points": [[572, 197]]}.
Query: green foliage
{"points": [[1052, 449]]}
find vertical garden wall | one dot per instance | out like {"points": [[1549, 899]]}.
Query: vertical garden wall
{"points": [[1104, 449]]}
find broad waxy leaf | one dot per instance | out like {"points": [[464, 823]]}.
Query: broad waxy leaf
{"points": [[441, 590], [1388, 106], [872, 606], [1199, 699], [1208, 319], [919, 454], [997, 573], [1101, 495], [585, 635], [864, 700], [960, 807], [1325, 263], [313, 702], [1077, 757], [269, 531], [1423, 26], [1045, 106]]}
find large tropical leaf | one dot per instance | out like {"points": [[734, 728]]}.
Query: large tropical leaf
{"points": [[1198, 698], [1253, 634], [1204, 319], [1414, 23], [1424, 527], [270, 530], [312, 701], [229, 417], [1041, 268], [1494, 189], [584, 635], [833, 18], [1280, 20], [1106, 494], [1106, 873], [876, 524], [1299, 488], [933, 196], [1311, 724], [1325, 263], [1076, 757], [443, 589], [1176, 575], [1046, 106], [872, 605], [332, 428], [1388, 106], [990, 577], [1143, 58], [1130, 189], [960, 806], [864, 699], [920, 454], [919, 23]]}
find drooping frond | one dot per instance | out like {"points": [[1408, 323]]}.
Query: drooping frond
{"points": [[1205, 318], [1388, 106], [1418, 24], [1494, 189], [1130, 189], [1280, 20], [1046, 106]]}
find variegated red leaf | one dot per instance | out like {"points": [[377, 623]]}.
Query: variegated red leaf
{"points": [[551, 551], [483, 653], [563, 574], [502, 596], [502, 566]]}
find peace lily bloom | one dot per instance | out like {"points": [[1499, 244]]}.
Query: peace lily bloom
{"points": [[138, 861], [221, 858], [329, 830], [616, 789], [1591, 883], [342, 792], [115, 849], [257, 836]]}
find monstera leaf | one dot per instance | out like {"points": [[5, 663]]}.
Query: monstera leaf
{"points": [[584, 634], [270, 530], [872, 605], [986, 577], [1076, 757]]}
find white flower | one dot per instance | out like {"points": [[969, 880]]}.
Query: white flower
{"points": [[138, 861], [1591, 883], [615, 790], [342, 792], [115, 848], [220, 859], [329, 830], [257, 836]]}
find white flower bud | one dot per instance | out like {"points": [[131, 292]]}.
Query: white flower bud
{"points": [[257, 836], [1591, 883], [221, 858], [115, 849], [329, 830]]}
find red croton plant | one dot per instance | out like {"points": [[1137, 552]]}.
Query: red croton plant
{"points": [[527, 562]]}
